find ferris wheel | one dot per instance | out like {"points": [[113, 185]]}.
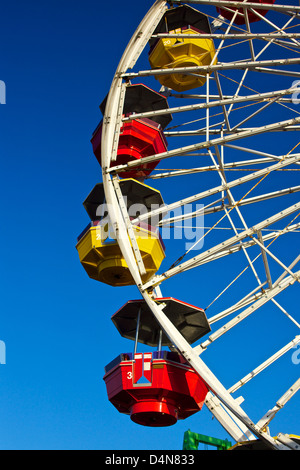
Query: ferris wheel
{"points": [[200, 152]]}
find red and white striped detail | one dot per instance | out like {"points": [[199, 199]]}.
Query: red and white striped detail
{"points": [[142, 367]]}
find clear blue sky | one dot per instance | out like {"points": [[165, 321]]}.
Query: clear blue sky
{"points": [[57, 60]]}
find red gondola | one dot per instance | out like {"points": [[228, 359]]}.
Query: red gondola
{"points": [[170, 388], [139, 138], [240, 17], [159, 388]]}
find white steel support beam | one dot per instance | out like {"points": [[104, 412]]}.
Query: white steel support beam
{"points": [[252, 297], [286, 313], [266, 250], [265, 259], [267, 418], [234, 205], [261, 17], [141, 37], [204, 145], [239, 4], [204, 69], [257, 152], [211, 192], [226, 166], [118, 122], [270, 294], [217, 131], [213, 104], [296, 260], [237, 430], [246, 244], [253, 200], [289, 73], [229, 36], [265, 364], [286, 440], [248, 299], [222, 246], [270, 102]]}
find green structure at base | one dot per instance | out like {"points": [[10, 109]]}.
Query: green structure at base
{"points": [[191, 441]]}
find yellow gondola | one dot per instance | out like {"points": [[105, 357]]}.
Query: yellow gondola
{"points": [[102, 259], [169, 53]]}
